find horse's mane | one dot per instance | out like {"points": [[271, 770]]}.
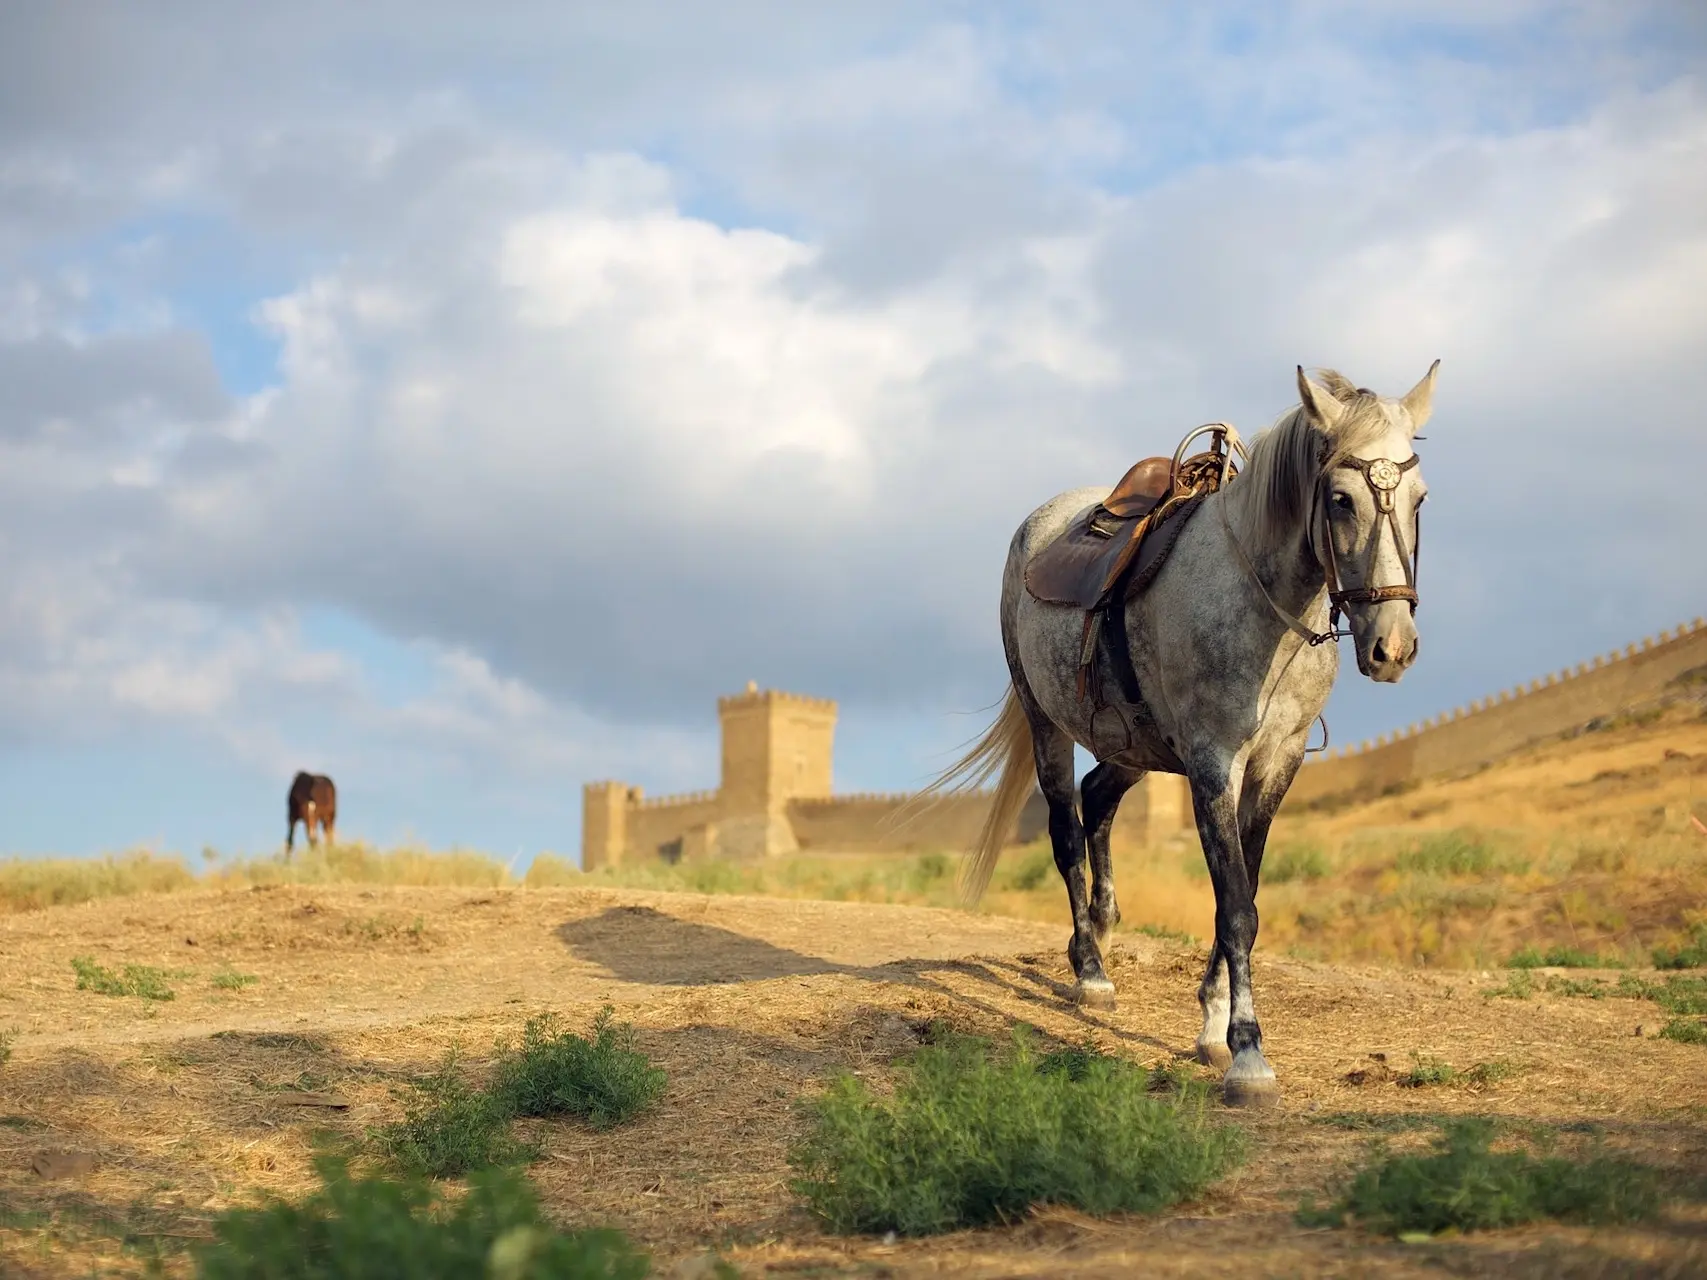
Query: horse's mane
{"points": [[1286, 459]]}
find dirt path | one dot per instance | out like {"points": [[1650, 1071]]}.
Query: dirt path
{"points": [[749, 1004]]}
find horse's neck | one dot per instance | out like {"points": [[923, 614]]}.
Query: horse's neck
{"points": [[1287, 566]]}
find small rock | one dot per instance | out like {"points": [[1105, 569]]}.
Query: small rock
{"points": [[308, 1098], [1377, 1072], [702, 1266], [62, 1164]]}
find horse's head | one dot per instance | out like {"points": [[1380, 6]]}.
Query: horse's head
{"points": [[1363, 524]]}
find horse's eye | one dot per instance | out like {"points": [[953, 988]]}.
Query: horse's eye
{"points": [[1343, 501]]}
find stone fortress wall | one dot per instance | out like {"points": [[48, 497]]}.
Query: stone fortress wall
{"points": [[776, 796]]}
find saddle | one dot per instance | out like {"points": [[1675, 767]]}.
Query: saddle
{"points": [[1115, 551]]}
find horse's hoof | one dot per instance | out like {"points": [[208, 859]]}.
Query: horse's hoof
{"points": [[1250, 1081], [1218, 1056], [1250, 1093], [1095, 993]]}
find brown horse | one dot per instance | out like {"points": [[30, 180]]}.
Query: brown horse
{"points": [[312, 798]]}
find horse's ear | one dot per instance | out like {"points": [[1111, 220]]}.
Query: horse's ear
{"points": [[1323, 409], [1419, 400]]}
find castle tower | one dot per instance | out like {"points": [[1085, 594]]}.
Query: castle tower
{"points": [[777, 747], [604, 823]]}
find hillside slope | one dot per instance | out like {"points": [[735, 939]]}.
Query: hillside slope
{"points": [[750, 1004]]}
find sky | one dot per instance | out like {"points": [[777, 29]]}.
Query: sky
{"points": [[457, 400]]}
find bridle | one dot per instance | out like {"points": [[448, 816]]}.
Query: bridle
{"points": [[1383, 476]]}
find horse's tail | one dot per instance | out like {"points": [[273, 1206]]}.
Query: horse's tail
{"points": [[1005, 748]]}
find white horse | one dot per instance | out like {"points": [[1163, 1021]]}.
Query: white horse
{"points": [[1232, 647]]}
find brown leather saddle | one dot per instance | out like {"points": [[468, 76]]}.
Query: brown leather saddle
{"points": [[1116, 550]]}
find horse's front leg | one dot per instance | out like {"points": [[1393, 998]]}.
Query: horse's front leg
{"points": [[1217, 1009], [1259, 800], [1249, 1079], [1101, 791]]}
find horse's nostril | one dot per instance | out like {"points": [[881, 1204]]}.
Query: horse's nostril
{"points": [[1379, 653]]}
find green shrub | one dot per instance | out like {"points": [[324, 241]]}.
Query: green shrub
{"points": [[1561, 958], [1683, 1030], [368, 1228], [6, 1038], [605, 1080], [1462, 1184], [449, 1127], [1295, 862], [137, 980], [1458, 853], [1426, 1072], [1691, 955], [1520, 986], [1429, 1072], [1486, 1073], [1676, 995], [1031, 874], [970, 1136]]}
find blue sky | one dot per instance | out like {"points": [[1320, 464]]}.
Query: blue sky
{"points": [[458, 403]]}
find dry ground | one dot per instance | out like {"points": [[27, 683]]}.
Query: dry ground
{"points": [[749, 1004]]}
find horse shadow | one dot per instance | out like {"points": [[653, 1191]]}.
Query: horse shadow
{"points": [[644, 945]]}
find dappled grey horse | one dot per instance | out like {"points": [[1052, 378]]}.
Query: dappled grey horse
{"points": [[1231, 644]]}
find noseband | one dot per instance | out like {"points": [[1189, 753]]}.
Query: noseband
{"points": [[1383, 476]]}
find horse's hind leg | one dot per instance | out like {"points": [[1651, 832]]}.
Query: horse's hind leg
{"points": [[1102, 790], [1054, 754]]}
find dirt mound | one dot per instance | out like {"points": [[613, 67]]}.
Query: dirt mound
{"points": [[178, 1107]]}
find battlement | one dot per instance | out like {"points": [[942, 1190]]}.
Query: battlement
{"points": [[754, 696], [676, 801]]}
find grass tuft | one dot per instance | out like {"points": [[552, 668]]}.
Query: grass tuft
{"points": [[1464, 1185], [1296, 862], [449, 1127], [1691, 955], [970, 1136], [1520, 986], [1458, 853], [1685, 1030], [1426, 1072], [1562, 958], [29, 884], [1431, 1072], [604, 1080], [377, 1226], [136, 980], [231, 980]]}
